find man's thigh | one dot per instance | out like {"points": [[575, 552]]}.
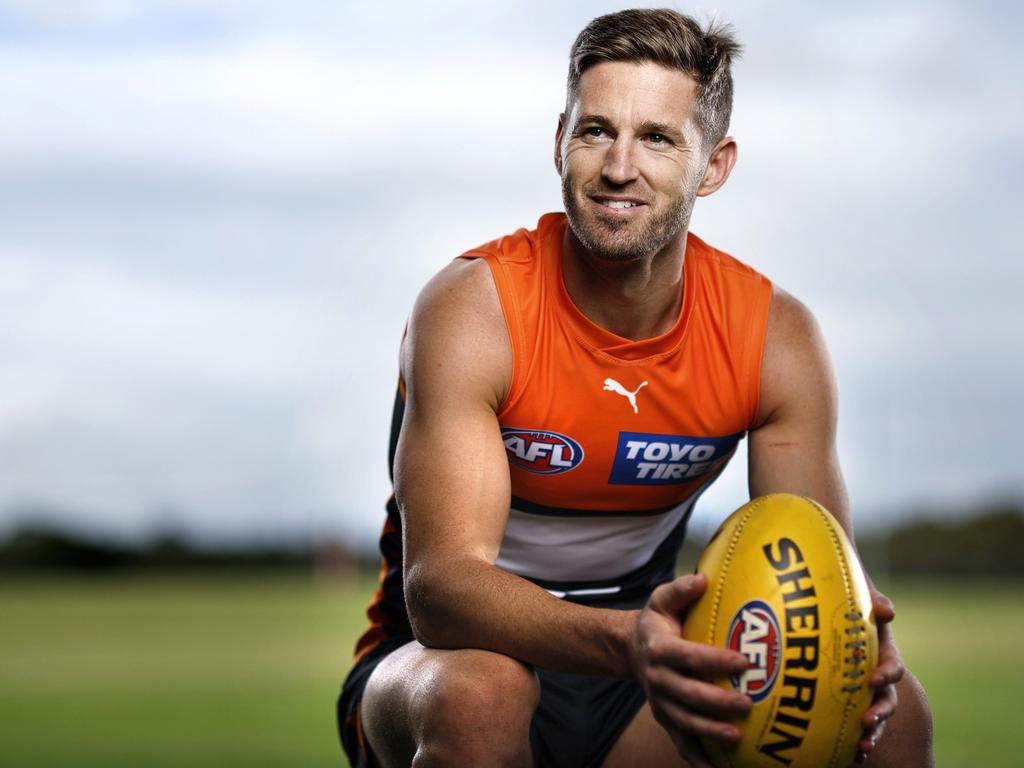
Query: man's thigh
{"points": [[454, 702]]}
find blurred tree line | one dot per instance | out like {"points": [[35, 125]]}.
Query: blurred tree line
{"points": [[984, 543], [40, 548]]}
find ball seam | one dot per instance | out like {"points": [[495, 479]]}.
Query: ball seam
{"points": [[850, 604], [726, 562]]}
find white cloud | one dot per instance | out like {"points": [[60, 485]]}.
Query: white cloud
{"points": [[217, 219], [266, 105]]}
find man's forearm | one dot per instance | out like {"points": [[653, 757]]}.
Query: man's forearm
{"points": [[474, 604]]}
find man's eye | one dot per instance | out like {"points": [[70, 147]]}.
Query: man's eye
{"points": [[594, 131], [657, 138]]}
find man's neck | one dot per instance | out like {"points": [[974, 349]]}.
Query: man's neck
{"points": [[636, 300]]}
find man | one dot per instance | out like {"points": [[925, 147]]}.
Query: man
{"points": [[566, 395]]}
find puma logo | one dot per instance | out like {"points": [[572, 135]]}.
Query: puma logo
{"points": [[611, 385]]}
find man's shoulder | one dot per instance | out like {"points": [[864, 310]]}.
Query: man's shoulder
{"points": [[790, 321], [796, 362], [463, 291], [456, 338], [469, 293], [703, 251], [524, 244]]}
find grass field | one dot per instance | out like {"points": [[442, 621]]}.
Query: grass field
{"points": [[214, 670]]}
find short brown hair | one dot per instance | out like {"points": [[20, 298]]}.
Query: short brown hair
{"points": [[673, 40]]}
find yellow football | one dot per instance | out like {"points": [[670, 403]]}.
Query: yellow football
{"points": [[785, 589]]}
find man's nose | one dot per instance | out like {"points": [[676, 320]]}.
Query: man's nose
{"points": [[620, 161]]}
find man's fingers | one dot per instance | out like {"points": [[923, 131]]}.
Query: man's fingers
{"points": [[881, 709], [871, 737], [888, 672], [868, 742], [696, 695], [696, 658], [883, 607], [676, 595], [874, 721], [679, 719]]}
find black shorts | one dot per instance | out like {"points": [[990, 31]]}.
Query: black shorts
{"points": [[577, 722]]}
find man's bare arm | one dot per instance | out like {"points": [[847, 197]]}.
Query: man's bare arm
{"points": [[452, 485], [793, 446], [793, 450]]}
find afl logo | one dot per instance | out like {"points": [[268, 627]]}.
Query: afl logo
{"points": [[754, 632], [546, 453]]}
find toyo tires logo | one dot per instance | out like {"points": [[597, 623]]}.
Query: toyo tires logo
{"points": [[545, 453], [644, 458], [754, 632]]}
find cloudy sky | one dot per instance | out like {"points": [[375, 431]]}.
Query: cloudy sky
{"points": [[214, 218]]}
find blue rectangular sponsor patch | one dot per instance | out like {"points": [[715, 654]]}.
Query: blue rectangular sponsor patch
{"points": [[642, 458]]}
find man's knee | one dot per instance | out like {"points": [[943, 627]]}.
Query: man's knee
{"points": [[907, 740], [450, 708], [478, 705]]}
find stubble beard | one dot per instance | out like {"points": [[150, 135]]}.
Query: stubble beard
{"points": [[624, 240]]}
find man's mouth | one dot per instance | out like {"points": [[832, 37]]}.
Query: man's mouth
{"points": [[617, 204]]}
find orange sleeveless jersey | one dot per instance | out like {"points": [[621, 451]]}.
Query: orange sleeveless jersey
{"points": [[609, 441]]}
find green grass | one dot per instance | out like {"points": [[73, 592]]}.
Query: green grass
{"points": [[175, 671], [216, 670], [963, 642]]}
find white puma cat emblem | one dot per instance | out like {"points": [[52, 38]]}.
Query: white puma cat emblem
{"points": [[613, 386]]}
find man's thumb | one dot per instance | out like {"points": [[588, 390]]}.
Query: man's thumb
{"points": [[675, 596]]}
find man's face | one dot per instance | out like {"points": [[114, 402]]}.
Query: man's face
{"points": [[629, 153]]}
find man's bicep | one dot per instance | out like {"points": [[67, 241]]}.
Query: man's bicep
{"points": [[789, 461], [451, 474], [793, 448], [451, 483]]}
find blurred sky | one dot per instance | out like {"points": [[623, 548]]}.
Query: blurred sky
{"points": [[215, 216]]}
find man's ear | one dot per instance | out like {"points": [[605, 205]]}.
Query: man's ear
{"points": [[720, 164], [558, 143]]}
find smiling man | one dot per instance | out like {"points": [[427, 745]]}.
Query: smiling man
{"points": [[567, 393]]}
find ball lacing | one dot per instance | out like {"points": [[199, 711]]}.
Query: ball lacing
{"points": [[856, 649]]}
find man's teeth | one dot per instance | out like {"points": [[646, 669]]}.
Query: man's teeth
{"points": [[620, 203]]}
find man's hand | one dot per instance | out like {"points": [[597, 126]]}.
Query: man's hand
{"points": [[674, 671], [883, 679]]}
